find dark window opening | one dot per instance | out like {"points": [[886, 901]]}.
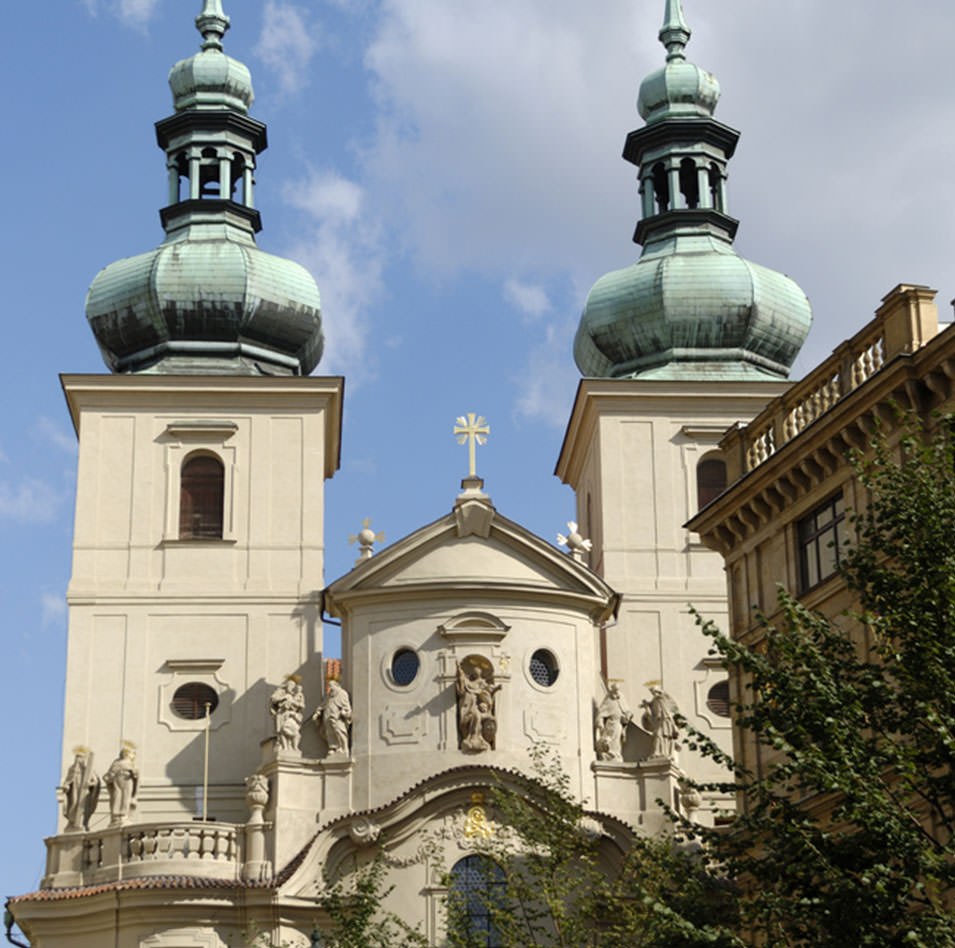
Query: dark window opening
{"points": [[543, 667], [201, 494], [710, 480], [190, 701], [820, 536], [715, 195], [718, 699], [477, 889], [661, 188], [689, 183], [404, 666]]}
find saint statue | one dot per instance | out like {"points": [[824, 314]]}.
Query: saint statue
{"points": [[476, 718], [658, 720], [333, 717], [610, 727], [122, 782], [81, 787], [287, 706]]}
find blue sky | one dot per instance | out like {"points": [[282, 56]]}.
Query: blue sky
{"points": [[450, 172]]}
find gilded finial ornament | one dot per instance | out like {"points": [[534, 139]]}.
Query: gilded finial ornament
{"points": [[366, 538], [472, 429]]}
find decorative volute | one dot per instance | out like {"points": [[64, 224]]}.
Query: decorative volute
{"points": [[207, 300], [690, 307]]}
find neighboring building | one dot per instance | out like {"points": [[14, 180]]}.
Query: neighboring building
{"points": [[196, 601], [783, 517]]}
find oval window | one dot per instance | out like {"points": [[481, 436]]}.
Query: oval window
{"points": [[404, 666], [718, 699], [543, 667], [190, 700]]}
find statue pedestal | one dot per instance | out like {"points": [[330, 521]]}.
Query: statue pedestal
{"points": [[303, 792], [631, 790]]}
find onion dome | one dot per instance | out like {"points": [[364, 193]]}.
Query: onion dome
{"points": [[680, 87], [210, 79], [690, 307], [208, 300]]}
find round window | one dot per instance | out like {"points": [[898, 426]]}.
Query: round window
{"points": [[718, 699], [544, 667], [404, 666], [190, 700]]}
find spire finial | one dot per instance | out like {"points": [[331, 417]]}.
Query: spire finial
{"points": [[212, 23], [674, 34]]}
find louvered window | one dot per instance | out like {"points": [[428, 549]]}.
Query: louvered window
{"points": [[190, 700]]}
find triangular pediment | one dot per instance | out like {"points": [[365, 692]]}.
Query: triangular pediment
{"points": [[473, 547]]}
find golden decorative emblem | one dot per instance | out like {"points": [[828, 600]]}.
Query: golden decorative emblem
{"points": [[476, 823]]}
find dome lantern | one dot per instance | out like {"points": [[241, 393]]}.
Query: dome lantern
{"points": [[690, 307], [208, 300]]}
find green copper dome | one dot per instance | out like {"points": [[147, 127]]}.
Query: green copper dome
{"points": [[207, 300], [690, 307]]}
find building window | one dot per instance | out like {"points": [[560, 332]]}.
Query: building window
{"points": [[821, 536], [710, 480], [404, 666], [718, 699], [201, 493], [477, 886], [543, 668], [190, 701]]}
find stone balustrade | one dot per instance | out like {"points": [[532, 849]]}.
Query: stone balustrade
{"points": [[906, 320], [208, 850]]}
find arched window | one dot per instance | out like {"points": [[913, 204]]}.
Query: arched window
{"points": [[201, 492], [661, 187], [477, 886], [689, 183], [716, 192], [710, 480]]}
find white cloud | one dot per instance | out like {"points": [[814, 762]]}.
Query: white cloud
{"points": [[53, 609], [287, 43], [530, 299], [30, 501], [132, 12], [489, 114], [50, 432], [341, 248], [546, 383]]}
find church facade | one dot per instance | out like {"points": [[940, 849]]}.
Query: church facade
{"points": [[197, 597]]}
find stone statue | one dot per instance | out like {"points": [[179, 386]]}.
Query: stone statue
{"points": [[287, 706], [81, 786], [333, 717], [476, 718], [658, 720], [610, 730], [122, 782]]}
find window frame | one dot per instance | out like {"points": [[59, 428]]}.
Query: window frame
{"points": [[211, 521], [814, 541]]}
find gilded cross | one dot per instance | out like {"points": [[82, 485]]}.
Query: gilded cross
{"points": [[473, 429]]}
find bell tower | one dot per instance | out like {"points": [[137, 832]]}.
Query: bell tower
{"points": [[198, 545], [674, 349]]}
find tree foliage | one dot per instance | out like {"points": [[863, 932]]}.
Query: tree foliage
{"points": [[353, 903], [847, 833], [549, 876]]}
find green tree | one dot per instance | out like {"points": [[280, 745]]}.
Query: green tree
{"points": [[353, 905], [549, 876], [847, 833]]}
